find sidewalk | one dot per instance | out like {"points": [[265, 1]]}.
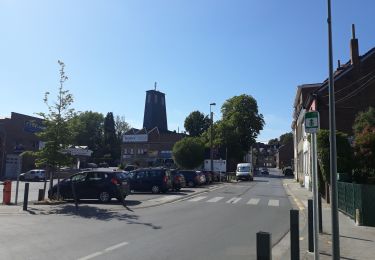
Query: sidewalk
{"points": [[356, 242]]}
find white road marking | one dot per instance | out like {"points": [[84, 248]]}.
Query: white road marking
{"points": [[198, 198], [116, 246], [216, 199], [253, 201], [104, 251], [165, 198], [234, 200], [273, 203]]}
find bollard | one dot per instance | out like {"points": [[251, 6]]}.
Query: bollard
{"points": [[264, 248], [310, 225], [358, 217], [41, 195], [26, 196], [294, 234], [320, 214], [327, 193]]}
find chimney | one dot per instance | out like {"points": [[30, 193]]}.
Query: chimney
{"points": [[354, 50]]}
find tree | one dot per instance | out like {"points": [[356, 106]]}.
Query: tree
{"points": [[364, 141], [188, 153], [56, 134], [87, 128], [121, 127], [242, 113], [344, 154], [196, 123], [274, 141], [111, 151], [286, 138]]}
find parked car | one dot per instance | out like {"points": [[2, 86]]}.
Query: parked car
{"points": [[208, 176], [155, 180], [202, 178], [192, 178], [265, 171], [101, 185], [287, 171], [33, 175], [178, 180], [129, 168]]}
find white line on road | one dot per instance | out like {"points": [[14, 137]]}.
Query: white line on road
{"points": [[104, 251], [116, 246], [198, 198], [253, 201], [216, 199], [274, 203], [165, 198], [233, 200]]}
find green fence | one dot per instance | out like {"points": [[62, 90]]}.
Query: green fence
{"points": [[357, 196]]}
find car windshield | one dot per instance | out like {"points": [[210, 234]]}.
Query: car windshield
{"points": [[243, 169]]}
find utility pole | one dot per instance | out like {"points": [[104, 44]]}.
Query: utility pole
{"points": [[211, 132], [332, 144]]}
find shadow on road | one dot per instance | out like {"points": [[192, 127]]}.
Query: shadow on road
{"points": [[96, 213]]}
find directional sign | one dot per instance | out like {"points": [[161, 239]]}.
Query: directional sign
{"points": [[311, 122]]}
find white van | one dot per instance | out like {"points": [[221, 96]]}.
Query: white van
{"points": [[33, 175], [244, 171]]}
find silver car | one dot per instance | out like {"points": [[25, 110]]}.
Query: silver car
{"points": [[33, 175]]}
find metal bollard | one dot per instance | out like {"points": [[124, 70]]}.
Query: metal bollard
{"points": [[41, 195], [320, 214], [310, 225], [294, 234], [264, 247], [26, 196]]}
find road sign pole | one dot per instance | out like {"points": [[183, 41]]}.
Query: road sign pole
{"points": [[315, 194]]}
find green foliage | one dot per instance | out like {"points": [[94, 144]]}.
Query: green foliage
{"points": [[196, 123], [364, 144], [56, 133], [121, 127], [111, 144], [87, 130], [188, 153], [241, 114], [274, 141], [286, 138], [344, 154]]}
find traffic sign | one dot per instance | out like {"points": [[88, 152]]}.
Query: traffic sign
{"points": [[312, 122]]}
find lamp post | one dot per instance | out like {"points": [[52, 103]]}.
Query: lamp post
{"points": [[211, 149]]}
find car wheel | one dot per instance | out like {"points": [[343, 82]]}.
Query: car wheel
{"points": [[191, 184], [155, 189], [104, 197], [22, 178]]}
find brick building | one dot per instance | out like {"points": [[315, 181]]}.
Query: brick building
{"points": [[17, 134]]}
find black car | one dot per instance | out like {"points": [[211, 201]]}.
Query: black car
{"points": [[288, 172], [265, 171], [155, 180], [178, 180], [191, 177], [101, 185]]}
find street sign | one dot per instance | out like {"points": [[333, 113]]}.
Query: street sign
{"points": [[312, 122]]}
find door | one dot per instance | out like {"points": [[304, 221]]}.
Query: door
{"points": [[94, 184], [79, 181], [137, 180]]}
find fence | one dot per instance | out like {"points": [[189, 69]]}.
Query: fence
{"points": [[357, 196]]}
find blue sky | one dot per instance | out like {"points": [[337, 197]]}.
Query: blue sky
{"points": [[199, 51]]}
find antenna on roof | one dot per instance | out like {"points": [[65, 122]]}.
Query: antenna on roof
{"points": [[155, 85], [353, 31]]}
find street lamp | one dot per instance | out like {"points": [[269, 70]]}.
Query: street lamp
{"points": [[211, 149]]}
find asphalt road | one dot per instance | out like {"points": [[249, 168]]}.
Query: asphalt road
{"points": [[220, 224]]}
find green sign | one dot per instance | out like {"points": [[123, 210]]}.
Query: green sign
{"points": [[311, 122]]}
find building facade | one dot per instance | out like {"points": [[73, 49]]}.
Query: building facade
{"points": [[17, 134]]}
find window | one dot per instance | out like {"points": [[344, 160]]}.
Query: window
{"points": [[79, 177], [95, 176], [131, 151], [140, 175], [125, 151], [148, 98], [156, 99]]}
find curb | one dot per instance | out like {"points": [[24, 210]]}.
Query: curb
{"points": [[283, 245]]}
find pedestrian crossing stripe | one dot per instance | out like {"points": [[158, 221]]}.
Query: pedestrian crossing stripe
{"points": [[274, 203], [253, 201], [198, 198], [233, 200], [215, 199]]}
